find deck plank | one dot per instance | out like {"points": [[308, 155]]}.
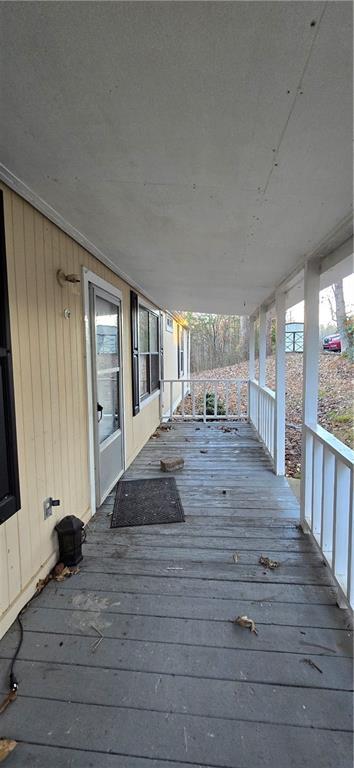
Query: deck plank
{"points": [[173, 682]]}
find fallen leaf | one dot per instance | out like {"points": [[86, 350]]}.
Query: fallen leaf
{"points": [[42, 583], [65, 573], [268, 563], [9, 698], [235, 557], [244, 621], [62, 575], [203, 450], [6, 746]]}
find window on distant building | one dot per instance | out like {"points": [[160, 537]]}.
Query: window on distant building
{"points": [[181, 351], [169, 323]]}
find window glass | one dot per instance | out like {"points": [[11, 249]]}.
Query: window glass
{"points": [[153, 333], [143, 330], [143, 375], [155, 380], [181, 350], [149, 373]]}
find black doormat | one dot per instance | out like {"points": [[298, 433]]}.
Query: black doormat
{"points": [[147, 502]]}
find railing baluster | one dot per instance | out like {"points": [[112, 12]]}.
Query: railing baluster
{"points": [[317, 452], [327, 503], [182, 400], [227, 398], [215, 400], [341, 523], [350, 577], [171, 400], [238, 404], [307, 476], [204, 403], [268, 423], [193, 400]]}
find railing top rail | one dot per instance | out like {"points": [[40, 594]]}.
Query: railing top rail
{"points": [[343, 452], [204, 381], [267, 391]]}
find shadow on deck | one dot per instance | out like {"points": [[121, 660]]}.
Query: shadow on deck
{"points": [[174, 683]]}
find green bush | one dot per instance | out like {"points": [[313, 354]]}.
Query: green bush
{"points": [[210, 405]]}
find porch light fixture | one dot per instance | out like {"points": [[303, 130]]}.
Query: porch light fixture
{"points": [[70, 535], [62, 278]]}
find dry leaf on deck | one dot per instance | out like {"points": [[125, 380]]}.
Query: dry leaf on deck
{"points": [[235, 557], [11, 696], [42, 583], [244, 621], [6, 746], [65, 573], [268, 563]]}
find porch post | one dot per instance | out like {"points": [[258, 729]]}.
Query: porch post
{"points": [[310, 380], [262, 346], [279, 416], [251, 351]]}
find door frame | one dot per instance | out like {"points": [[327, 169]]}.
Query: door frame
{"points": [[89, 277]]}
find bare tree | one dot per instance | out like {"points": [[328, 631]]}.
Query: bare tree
{"points": [[244, 336], [341, 315]]}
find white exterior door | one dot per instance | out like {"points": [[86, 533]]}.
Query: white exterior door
{"points": [[105, 320]]}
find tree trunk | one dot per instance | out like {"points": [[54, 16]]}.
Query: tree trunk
{"points": [[341, 316], [244, 336]]}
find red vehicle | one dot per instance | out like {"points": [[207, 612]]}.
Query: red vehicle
{"points": [[332, 343]]}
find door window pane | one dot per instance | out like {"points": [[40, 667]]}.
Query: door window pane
{"points": [[153, 333], [106, 320], [143, 330], [107, 397]]}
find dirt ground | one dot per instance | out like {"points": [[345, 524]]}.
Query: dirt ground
{"points": [[335, 407]]}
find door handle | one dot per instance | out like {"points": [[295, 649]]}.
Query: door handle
{"points": [[99, 412]]}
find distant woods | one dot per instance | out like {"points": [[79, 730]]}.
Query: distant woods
{"points": [[217, 340]]}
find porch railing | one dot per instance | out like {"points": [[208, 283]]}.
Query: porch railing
{"points": [[189, 399], [327, 503], [262, 413]]}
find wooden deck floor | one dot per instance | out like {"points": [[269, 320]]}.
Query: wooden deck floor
{"points": [[173, 682]]}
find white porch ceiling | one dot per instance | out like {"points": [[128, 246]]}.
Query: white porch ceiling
{"points": [[203, 149]]}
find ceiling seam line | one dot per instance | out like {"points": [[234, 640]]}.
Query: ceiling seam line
{"points": [[298, 88]]}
